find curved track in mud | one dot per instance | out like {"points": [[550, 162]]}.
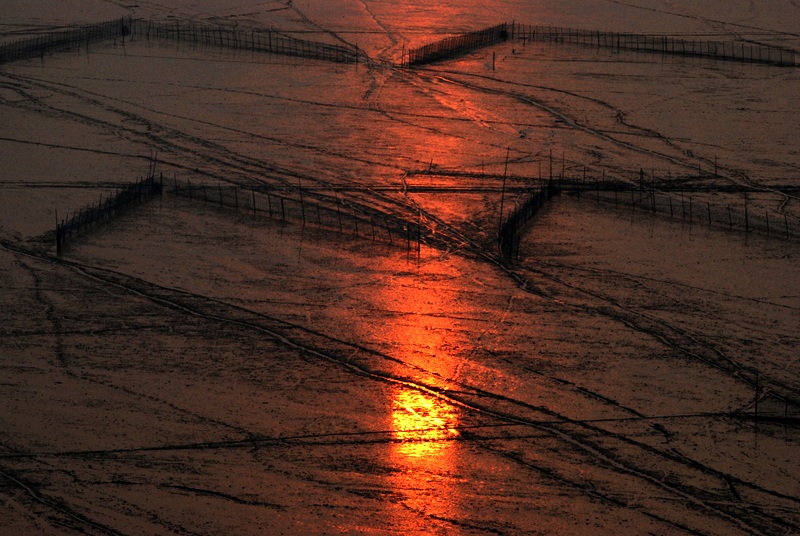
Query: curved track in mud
{"points": [[600, 446], [641, 459]]}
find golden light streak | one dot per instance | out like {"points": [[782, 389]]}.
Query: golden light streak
{"points": [[423, 424]]}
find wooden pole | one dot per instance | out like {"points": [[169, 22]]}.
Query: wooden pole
{"points": [[756, 395], [302, 204], [419, 232], [746, 215], [58, 235], [503, 198]]}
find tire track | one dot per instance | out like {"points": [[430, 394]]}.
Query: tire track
{"points": [[714, 23], [64, 365], [310, 22], [584, 437], [570, 122], [198, 305], [89, 526], [736, 177], [239, 169], [442, 230]]}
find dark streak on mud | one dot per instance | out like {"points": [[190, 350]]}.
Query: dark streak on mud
{"points": [[583, 436]]}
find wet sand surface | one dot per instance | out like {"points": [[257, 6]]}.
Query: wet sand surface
{"points": [[186, 368]]}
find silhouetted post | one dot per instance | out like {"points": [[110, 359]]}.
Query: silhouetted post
{"points": [[756, 395], [746, 215], [502, 200], [597, 189], [603, 182], [302, 204], [419, 232], [58, 234]]}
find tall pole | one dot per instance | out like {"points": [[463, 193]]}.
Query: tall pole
{"points": [[756, 395], [502, 199]]}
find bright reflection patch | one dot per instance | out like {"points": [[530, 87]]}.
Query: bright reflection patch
{"points": [[423, 423]]}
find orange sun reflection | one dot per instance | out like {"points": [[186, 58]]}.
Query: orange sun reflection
{"points": [[421, 333], [423, 424], [422, 327], [424, 450]]}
